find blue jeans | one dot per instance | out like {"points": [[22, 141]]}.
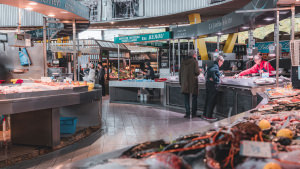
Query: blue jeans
{"points": [[187, 104]]}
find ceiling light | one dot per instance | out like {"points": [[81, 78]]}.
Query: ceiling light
{"points": [[28, 8], [184, 25], [219, 33], [269, 19], [283, 12], [51, 15], [245, 27], [64, 12], [129, 28], [163, 26], [32, 3]]}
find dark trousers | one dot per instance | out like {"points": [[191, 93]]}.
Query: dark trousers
{"points": [[103, 87], [187, 104], [210, 100]]}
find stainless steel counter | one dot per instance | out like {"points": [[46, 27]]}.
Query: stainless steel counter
{"points": [[129, 92], [230, 97], [35, 119]]}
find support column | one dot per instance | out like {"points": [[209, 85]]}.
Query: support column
{"points": [[250, 39], [74, 51], [173, 58], [198, 42], [229, 45], [293, 23], [179, 53], [157, 55], [218, 42], [45, 46], [277, 48], [118, 62]]}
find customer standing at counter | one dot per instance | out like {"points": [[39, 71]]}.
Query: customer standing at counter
{"points": [[188, 79], [100, 73], [260, 66], [150, 72], [212, 82]]}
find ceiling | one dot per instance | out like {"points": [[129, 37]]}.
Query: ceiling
{"points": [[178, 18]]}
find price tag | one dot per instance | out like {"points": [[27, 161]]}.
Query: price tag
{"points": [[265, 75], [200, 63], [255, 149], [298, 72]]}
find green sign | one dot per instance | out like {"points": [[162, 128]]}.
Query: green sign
{"points": [[143, 38]]}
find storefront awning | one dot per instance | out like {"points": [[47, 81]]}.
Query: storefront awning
{"points": [[226, 24], [59, 9]]}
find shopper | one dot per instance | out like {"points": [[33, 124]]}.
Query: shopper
{"points": [[100, 73], [150, 72], [188, 79], [212, 82]]}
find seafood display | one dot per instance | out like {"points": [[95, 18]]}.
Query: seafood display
{"points": [[272, 130], [35, 87]]}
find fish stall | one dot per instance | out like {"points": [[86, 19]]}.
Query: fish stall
{"points": [[42, 105], [266, 137]]}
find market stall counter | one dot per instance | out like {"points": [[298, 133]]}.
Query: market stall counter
{"points": [[35, 110], [129, 91], [264, 137], [236, 95]]}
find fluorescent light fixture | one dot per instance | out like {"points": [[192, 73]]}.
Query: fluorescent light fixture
{"points": [[129, 28], [163, 26], [51, 15], [269, 19], [284, 12], [219, 33], [64, 12], [28, 8], [32, 3], [184, 25], [245, 27]]}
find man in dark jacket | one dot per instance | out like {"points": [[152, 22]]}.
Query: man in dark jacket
{"points": [[188, 79], [212, 81], [100, 77]]}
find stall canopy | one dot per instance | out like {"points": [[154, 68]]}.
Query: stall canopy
{"points": [[230, 23], [59, 9], [87, 46]]}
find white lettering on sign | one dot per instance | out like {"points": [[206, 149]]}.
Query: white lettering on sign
{"points": [[156, 36], [256, 149], [226, 20]]}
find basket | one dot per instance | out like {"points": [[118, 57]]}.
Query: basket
{"points": [[68, 125]]}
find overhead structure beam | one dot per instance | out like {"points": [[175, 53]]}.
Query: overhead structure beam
{"points": [[45, 46], [198, 42], [229, 45], [74, 51]]}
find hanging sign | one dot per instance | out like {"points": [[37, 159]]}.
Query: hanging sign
{"points": [[143, 38]]}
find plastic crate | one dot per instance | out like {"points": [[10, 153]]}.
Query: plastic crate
{"points": [[68, 125]]}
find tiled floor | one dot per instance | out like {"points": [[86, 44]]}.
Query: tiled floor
{"points": [[128, 125]]}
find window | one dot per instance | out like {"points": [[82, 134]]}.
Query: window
{"points": [[125, 8]]}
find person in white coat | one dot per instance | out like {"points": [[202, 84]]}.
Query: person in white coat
{"points": [[91, 74]]}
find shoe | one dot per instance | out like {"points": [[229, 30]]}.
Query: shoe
{"points": [[203, 117], [187, 116], [211, 119]]}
